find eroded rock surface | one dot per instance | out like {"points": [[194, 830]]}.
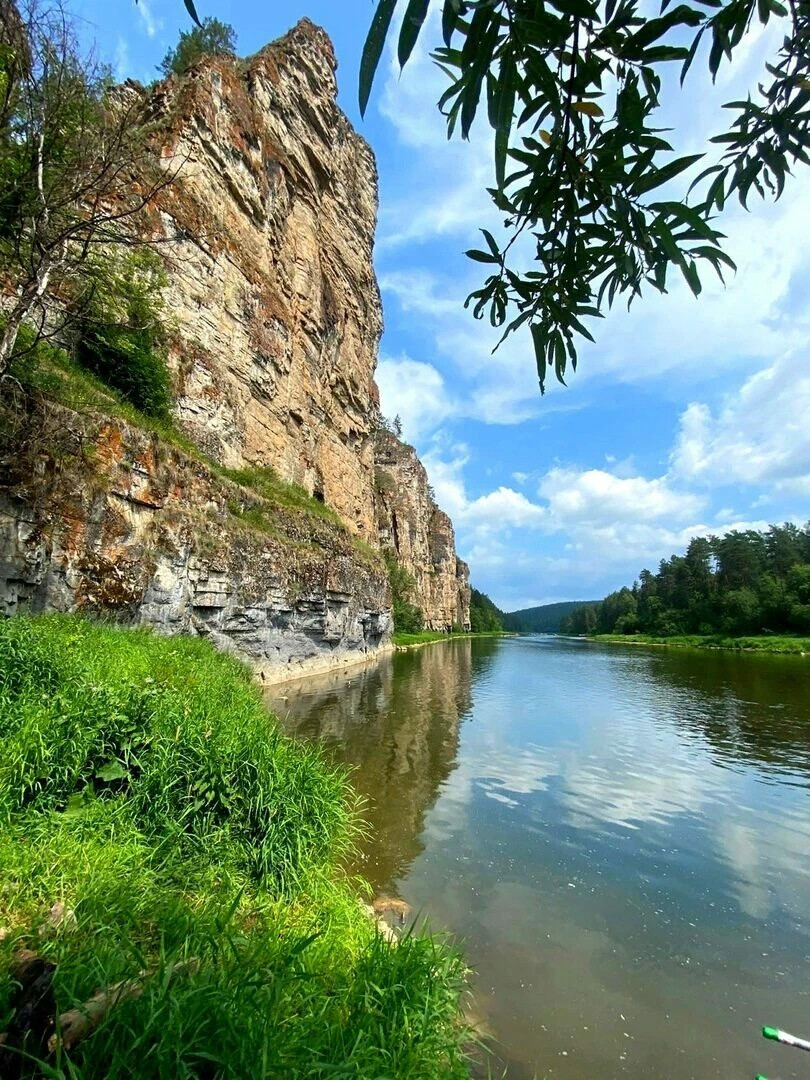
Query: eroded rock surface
{"points": [[420, 535], [275, 321], [109, 520]]}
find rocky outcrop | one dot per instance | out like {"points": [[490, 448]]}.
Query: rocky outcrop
{"points": [[420, 535], [100, 517], [272, 288], [267, 232]]}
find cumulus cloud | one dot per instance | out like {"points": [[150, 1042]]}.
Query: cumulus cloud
{"points": [[414, 391], [759, 436], [597, 498]]}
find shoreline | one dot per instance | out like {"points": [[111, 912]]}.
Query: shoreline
{"points": [[769, 645], [320, 664]]}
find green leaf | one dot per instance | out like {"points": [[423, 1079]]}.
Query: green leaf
{"points": [[192, 12], [372, 50], [590, 108], [480, 256], [656, 177], [113, 770], [415, 15], [450, 16]]}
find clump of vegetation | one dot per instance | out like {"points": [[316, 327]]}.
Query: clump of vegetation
{"points": [[121, 335], [144, 788], [485, 617], [209, 38], [265, 482], [768, 643], [743, 583], [408, 618]]}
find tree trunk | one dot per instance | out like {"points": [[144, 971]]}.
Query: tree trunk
{"points": [[8, 339]]}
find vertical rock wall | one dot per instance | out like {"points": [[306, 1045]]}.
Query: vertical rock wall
{"points": [[413, 528], [272, 288]]}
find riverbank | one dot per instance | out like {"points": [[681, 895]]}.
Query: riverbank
{"points": [[162, 839], [430, 637], [770, 643]]}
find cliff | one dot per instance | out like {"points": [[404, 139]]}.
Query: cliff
{"points": [[272, 286], [267, 232], [413, 528], [101, 517]]}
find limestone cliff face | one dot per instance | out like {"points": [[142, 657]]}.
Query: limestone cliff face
{"points": [[420, 535], [275, 322], [273, 292], [99, 517]]}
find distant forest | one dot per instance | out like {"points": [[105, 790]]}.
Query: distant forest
{"points": [[546, 619], [740, 583]]}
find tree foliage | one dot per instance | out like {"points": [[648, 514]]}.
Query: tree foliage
{"points": [[120, 335], [572, 91], [408, 618], [741, 583], [485, 617], [75, 174], [209, 38]]}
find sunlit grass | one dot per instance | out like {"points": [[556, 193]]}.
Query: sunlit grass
{"points": [[143, 785]]}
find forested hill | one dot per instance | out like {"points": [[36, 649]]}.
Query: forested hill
{"points": [[545, 619], [738, 584], [485, 617]]}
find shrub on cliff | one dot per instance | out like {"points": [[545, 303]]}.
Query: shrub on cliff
{"points": [[144, 787], [210, 38], [408, 618], [120, 331]]}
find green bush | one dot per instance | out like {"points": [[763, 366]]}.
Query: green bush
{"points": [[121, 336], [408, 618]]}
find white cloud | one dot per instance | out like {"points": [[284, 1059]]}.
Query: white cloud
{"points": [[759, 436], [598, 498], [414, 391], [150, 24]]}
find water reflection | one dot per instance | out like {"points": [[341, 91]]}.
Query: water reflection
{"points": [[397, 724], [621, 836]]}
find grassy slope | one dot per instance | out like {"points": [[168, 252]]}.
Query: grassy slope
{"points": [[143, 784], [771, 643], [60, 379]]}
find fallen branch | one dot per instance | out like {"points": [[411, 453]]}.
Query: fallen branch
{"points": [[76, 1024]]}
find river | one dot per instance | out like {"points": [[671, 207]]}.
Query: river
{"points": [[620, 836]]}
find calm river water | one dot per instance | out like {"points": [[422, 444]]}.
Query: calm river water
{"points": [[620, 836]]}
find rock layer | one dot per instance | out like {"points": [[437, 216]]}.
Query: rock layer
{"points": [[420, 535], [275, 321], [104, 518]]}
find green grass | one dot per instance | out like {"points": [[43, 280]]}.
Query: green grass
{"points": [[266, 484], [143, 784], [769, 643]]}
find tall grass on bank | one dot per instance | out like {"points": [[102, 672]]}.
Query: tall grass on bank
{"points": [[143, 785]]}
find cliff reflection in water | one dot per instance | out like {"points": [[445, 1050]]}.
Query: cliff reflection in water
{"points": [[397, 723]]}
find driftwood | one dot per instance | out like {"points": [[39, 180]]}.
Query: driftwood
{"points": [[34, 1008], [76, 1024]]}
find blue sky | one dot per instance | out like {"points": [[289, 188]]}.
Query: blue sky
{"points": [[686, 416]]}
